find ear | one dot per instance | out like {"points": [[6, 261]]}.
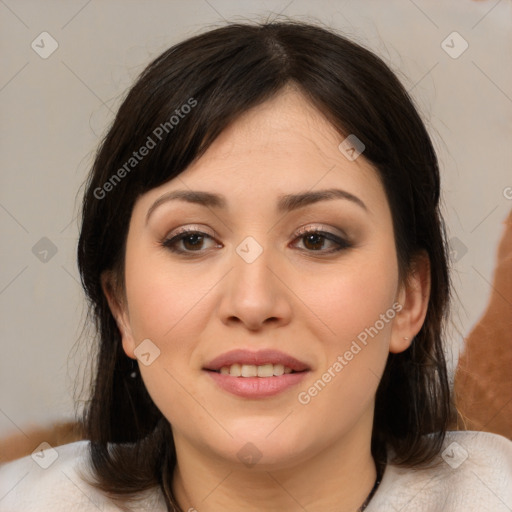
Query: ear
{"points": [[118, 307], [414, 296]]}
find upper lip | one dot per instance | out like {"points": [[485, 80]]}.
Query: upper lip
{"points": [[258, 358]]}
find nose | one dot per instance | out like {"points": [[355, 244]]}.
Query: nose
{"points": [[254, 293]]}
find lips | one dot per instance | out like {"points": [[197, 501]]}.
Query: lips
{"points": [[259, 358]]}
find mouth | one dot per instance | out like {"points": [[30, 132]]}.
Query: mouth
{"points": [[256, 375], [252, 370], [263, 363]]}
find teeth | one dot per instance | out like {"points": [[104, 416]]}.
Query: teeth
{"points": [[251, 370], [266, 370]]}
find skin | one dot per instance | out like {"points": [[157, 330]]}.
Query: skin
{"points": [[295, 297]]}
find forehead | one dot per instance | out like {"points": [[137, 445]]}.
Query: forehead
{"points": [[281, 126], [283, 146]]}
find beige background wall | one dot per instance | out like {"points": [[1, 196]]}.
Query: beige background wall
{"points": [[55, 109]]}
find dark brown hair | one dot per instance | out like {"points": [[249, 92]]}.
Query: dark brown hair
{"points": [[226, 71]]}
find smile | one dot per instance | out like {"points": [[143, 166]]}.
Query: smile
{"points": [[259, 374], [252, 370], [254, 382]]}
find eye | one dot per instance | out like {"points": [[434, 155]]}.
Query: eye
{"points": [[191, 239], [314, 239]]}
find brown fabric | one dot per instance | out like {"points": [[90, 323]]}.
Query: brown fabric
{"points": [[22, 444], [483, 380]]}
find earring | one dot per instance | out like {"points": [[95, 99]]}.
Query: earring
{"points": [[133, 372], [405, 338]]}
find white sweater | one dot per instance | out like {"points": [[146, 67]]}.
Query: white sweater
{"points": [[475, 475]]}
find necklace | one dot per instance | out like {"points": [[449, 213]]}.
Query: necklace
{"points": [[380, 473]]}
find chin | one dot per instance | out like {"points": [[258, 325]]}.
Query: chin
{"points": [[259, 443]]}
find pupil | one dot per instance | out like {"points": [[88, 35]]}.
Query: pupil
{"points": [[196, 237], [312, 238]]}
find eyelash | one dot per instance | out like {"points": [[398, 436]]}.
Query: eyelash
{"points": [[170, 243]]}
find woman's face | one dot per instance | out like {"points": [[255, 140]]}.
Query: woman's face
{"points": [[253, 280]]}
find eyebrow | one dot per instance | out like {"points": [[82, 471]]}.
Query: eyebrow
{"points": [[286, 203]]}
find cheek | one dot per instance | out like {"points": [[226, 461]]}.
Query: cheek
{"points": [[358, 306], [352, 297], [166, 307], [358, 309], [162, 299]]}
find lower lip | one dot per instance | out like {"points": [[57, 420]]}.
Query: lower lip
{"points": [[256, 387]]}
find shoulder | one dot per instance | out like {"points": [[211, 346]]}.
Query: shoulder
{"points": [[51, 480], [472, 473], [48, 480]]}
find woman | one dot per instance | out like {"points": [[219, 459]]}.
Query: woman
{"points": [[266, 263]]}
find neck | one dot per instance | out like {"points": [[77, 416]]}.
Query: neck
{"points": [[336, 479]]}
